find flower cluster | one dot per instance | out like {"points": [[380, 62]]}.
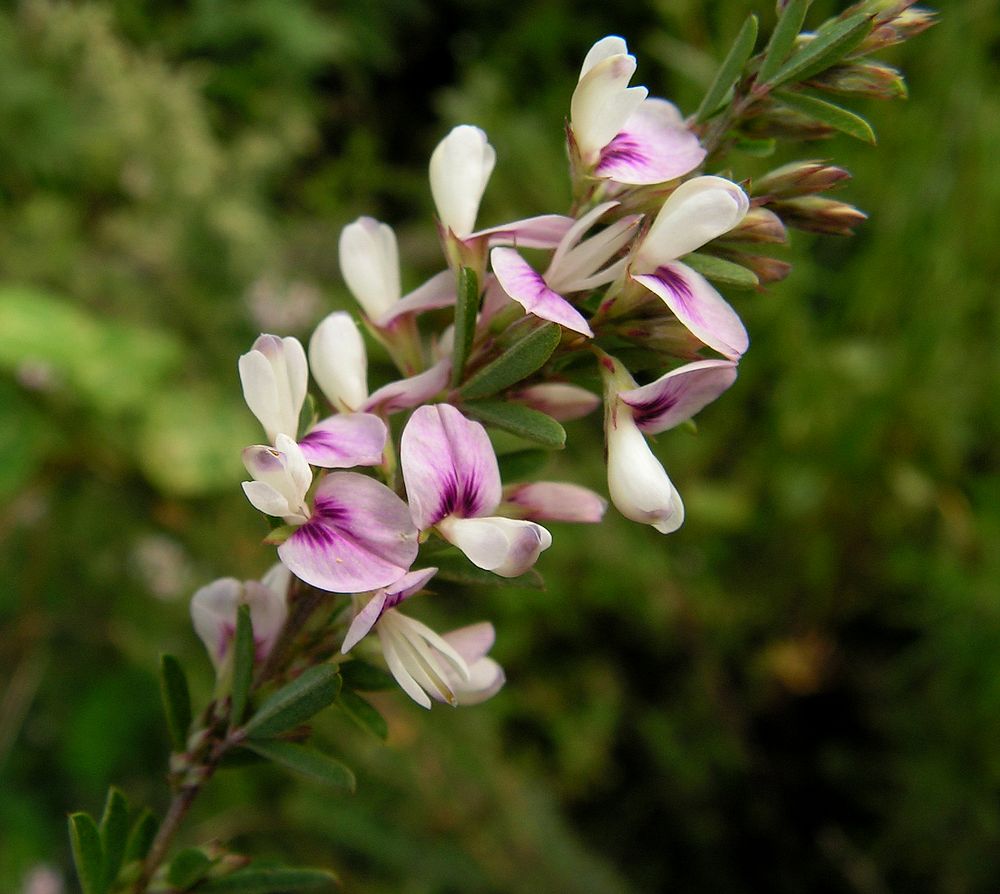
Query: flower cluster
{"points": [[356, 510]]}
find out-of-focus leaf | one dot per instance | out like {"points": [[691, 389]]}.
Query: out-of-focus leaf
{"points": [[466, 307], [730, 70], [788, 28], [520, 420], [363, 714], [723, 272], [364, 676], [762, 148], [296, 702], [305, 761], [86, 844], [140, 838], [826, 48], [522, 464], [188, 867], [26, 436], [114, 834], [269, 880], [176, 700], [834, 115], [518, 362], [243, 653]]}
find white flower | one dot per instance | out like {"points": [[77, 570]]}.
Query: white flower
{"points": [[460, 168], [281, 479], [369, 262], [274, 374], [339, 361]]}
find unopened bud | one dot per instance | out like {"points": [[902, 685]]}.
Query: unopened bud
{"points": [[869, 79], [800, 178], [896, 26], [775, 120], [817, 214], [768, 269], [760, 225], [664, 335]]}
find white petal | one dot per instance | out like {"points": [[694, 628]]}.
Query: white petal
{"points": [[266, 499], [506, 546], [369, 262], [274, 375], [612, 45], [213, 613], [602, 102], [339, 361], [390, 641], [460, 168]]}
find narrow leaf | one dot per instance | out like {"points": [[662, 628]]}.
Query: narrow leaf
{"points": [[532, 425], [730, 70], [243, 653], [176, 700], [305, 761], [269, 880], [364, 676], [87, 855], [295, 703], [828, 113], [828, 47], [518, 362], [114, 834], [788, 28], [363, 714], [466, 307], [140, 839], [187, 868], [723, 272]]}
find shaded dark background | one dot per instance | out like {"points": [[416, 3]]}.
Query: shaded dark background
{"points": [[799, 691]]}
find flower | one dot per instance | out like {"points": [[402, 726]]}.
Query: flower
{"points": [[698, 211], [274, 375], [453, 484], [555, 501], [214, 608], [357, 536], [560, 400], [575, 267], [618, 132]]}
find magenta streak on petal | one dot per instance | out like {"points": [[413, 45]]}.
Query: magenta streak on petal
{"points": [[623, 148], [673, 280], [678, 395], [410, 392], [345, 441]]}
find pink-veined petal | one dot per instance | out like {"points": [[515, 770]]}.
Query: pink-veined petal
{"points": [[602, 102], [411, 392], [213, 613], [437, 292], [556, 501], [653, 146], [696, 303], [677, 396], [345, 441], [381, 601], [527, 287], [360, 537], [506, 546], [449, 466], [543, 231]]}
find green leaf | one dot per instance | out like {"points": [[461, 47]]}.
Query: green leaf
{"points": [[723, 272], [269, 880], [361, 675], [114, 834], [305, 761], [295, 703], [140, 839], [730, 70], [243, 653], [828, 47], [363, 714], [466, 307], [87, 854], [176, 700], [788, 28], [518, 362], [525, 422], [27, 436], [453, 566], [522, 464], [837, 117], [188, 868]]}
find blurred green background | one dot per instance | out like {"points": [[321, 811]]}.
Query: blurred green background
{"points": [[799, 691]]}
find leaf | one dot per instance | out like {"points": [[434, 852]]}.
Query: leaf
{"points": [[176, 700], [518, 362], [828, 113], [532, 425], [114, 834], [522, 464], [243, 654], [363, 714], [140, 839], [87, 855], [730, 70], [295, 703], [269, 880], [188, 867], [721, 271], [453, 566], [788, 28], [466, 307], [827, 47], [358, 674], [305, 761], [27, 437]]}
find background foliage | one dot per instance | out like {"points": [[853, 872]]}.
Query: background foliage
{"points": [[798, 691]]}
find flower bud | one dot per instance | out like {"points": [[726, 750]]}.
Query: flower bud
{"points": [[800, 178], [555, 501], [817, 214], [868, 79], [339, 361], [768, 269], [460, 168], [274, 375], [897, 27], [559, 400], [281, 479], [760, 225], [369, 263]]}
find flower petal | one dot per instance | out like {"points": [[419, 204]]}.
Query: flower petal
{"points": [[448, 466], [486, 679], [460, 168], [438, 291], [360, 537], [612, 45], [677, 396], [339, 361], [506, 546], [556, 501], [561, 401], [652, 147], [696, 303], [411, 392], [698, 211], [527, 287], [384, 599], [472, 642], [602, 102], [213, 614], [543, 231], [369, 262], [345, 440], [274, 375]]}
